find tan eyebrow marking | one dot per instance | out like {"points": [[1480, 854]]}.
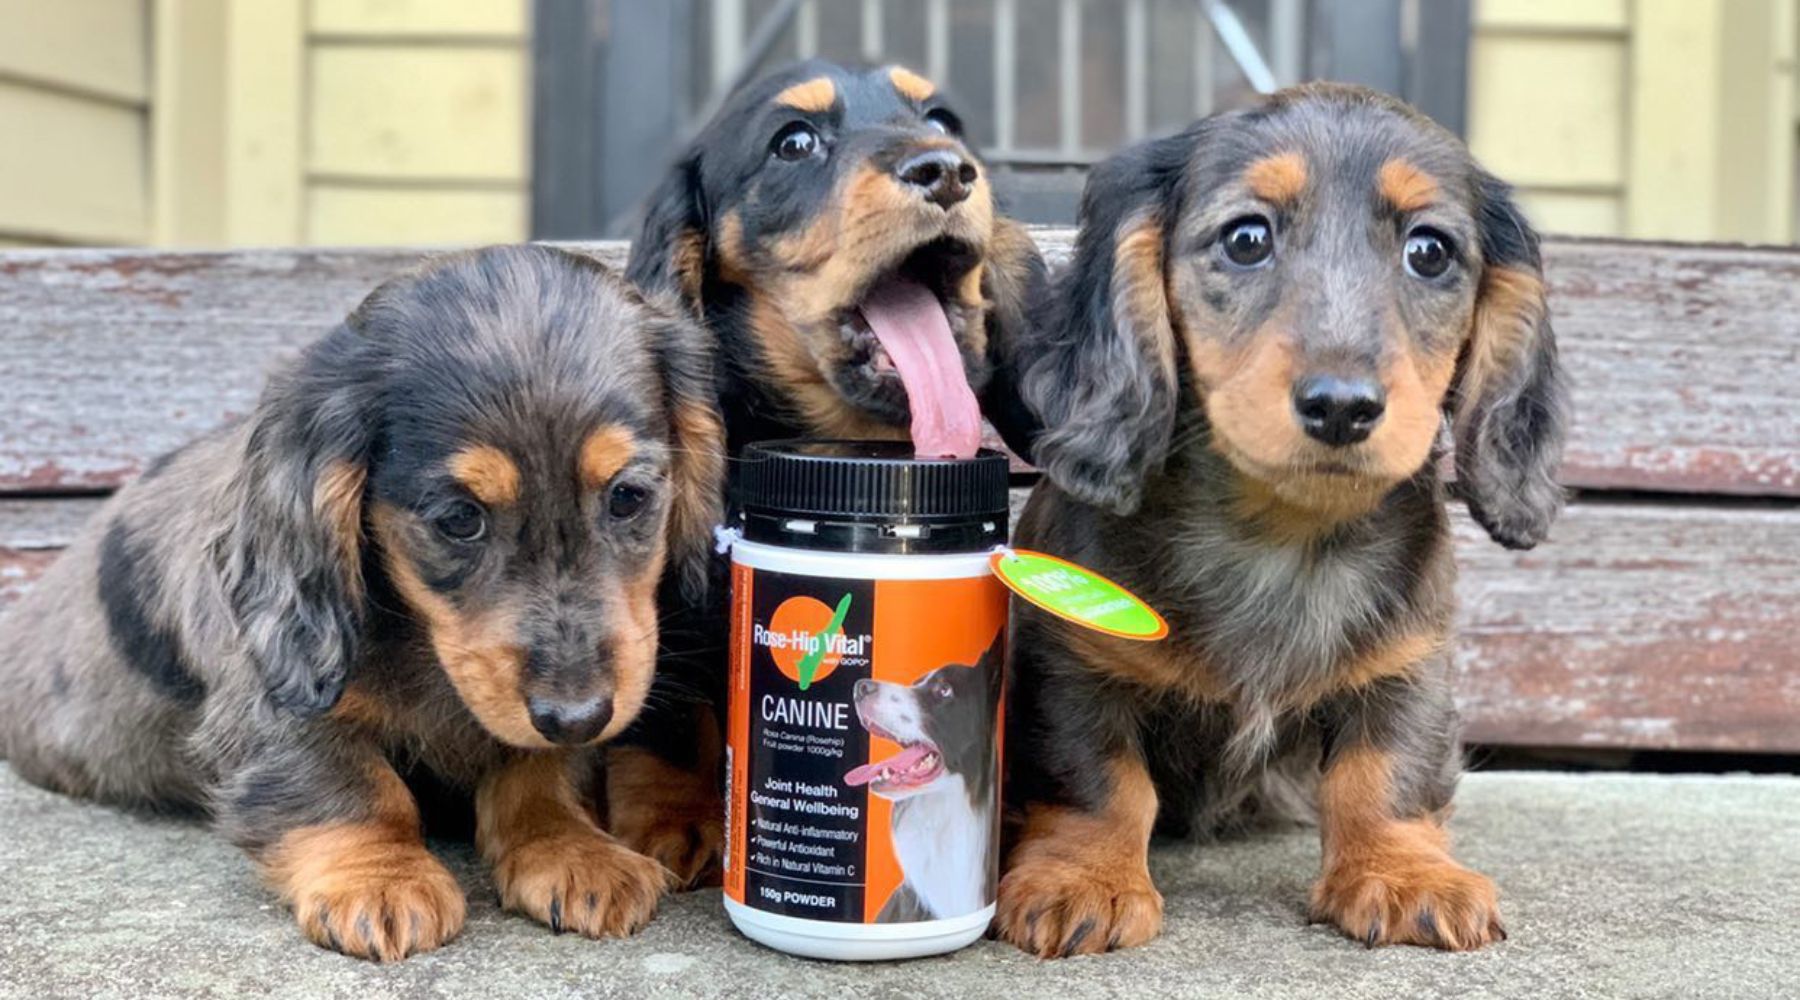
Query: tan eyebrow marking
{"points": [[813, 96], [487, 472], [604, 453], [1405, 186], [1278, 179], [911, 84]]}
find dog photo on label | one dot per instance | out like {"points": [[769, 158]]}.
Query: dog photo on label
{"points": [[1273, 324], [942, 783], [429, 558]]}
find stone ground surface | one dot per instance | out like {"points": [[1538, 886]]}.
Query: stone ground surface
{"points": [[1615, 886]]}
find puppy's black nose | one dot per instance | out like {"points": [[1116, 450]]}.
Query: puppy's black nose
{"points": [[1338, 411], [570, 722], [945, 177]]}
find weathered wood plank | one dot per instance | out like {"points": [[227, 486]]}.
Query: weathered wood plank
{"points": [[1680, 357], [1637, 626], [32, 534], [1676, 352], [110, 359]]}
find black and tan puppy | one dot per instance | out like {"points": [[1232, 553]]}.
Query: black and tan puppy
{"points": [[1268, 321], [835, 232], [433, 548], [838, 236]]}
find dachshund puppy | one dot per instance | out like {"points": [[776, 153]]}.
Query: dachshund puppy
{"points": [[840, 239], [1268, 321], [433, 550]]}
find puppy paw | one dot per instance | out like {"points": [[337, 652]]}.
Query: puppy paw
{"points": [[1054, 908], [581, 882], [689, 845], [405, 904], [1421, 898], [663, 812]]}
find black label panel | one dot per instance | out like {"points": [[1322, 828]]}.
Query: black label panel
{"points": [[804, 826]]}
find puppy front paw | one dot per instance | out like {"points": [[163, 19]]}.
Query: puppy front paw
{"points": [[581, 882], [690, 844], [1054, 908], [383, 908], [666, 813], [1409, 897]]}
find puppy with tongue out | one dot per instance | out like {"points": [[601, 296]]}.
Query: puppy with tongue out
{"points": [[839, 238]]}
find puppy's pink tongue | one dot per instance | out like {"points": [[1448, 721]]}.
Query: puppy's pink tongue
{"points": [[911, 325]]}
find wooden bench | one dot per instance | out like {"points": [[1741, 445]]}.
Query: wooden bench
{"points": [[1663, 614]]}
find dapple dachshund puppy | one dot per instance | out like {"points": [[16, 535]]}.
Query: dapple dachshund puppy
{"points": [[1268, 321], [434, 550], [839, 237], [837, 234]]}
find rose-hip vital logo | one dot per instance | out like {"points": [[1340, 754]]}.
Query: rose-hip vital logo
{"points": [[805, 636]]}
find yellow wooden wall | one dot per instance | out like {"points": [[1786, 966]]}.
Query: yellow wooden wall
{"points": [[237, 122], [1658, 119], [345, 121], [417, 121], [74, 127], [241, 122]]}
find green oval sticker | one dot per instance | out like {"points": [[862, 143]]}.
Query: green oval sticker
{"points": [[1077, 594]]}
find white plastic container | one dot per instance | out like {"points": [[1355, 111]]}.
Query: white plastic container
{"points": [[867, 665]]}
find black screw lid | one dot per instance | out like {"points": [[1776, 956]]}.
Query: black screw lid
{"points": [[870, 496]]}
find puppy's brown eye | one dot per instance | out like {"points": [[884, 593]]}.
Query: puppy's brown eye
{"points": [[1428, 253], [795, 141], [624, 501], [941, 689], [944, 121], [462, 521], [1248, 242]]}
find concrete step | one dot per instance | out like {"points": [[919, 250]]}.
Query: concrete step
{"points": [[1614, 886]]}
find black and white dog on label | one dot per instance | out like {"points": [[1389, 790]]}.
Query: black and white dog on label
{"points": [[943, 784]]}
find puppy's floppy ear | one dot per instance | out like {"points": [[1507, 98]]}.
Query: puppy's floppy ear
{"points": [[685, 358], [1101, 375], [1509, 403], [669, 254], [1016, 286], [292, 560]]}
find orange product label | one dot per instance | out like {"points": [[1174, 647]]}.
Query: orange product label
{"points": [[864, 745]]}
